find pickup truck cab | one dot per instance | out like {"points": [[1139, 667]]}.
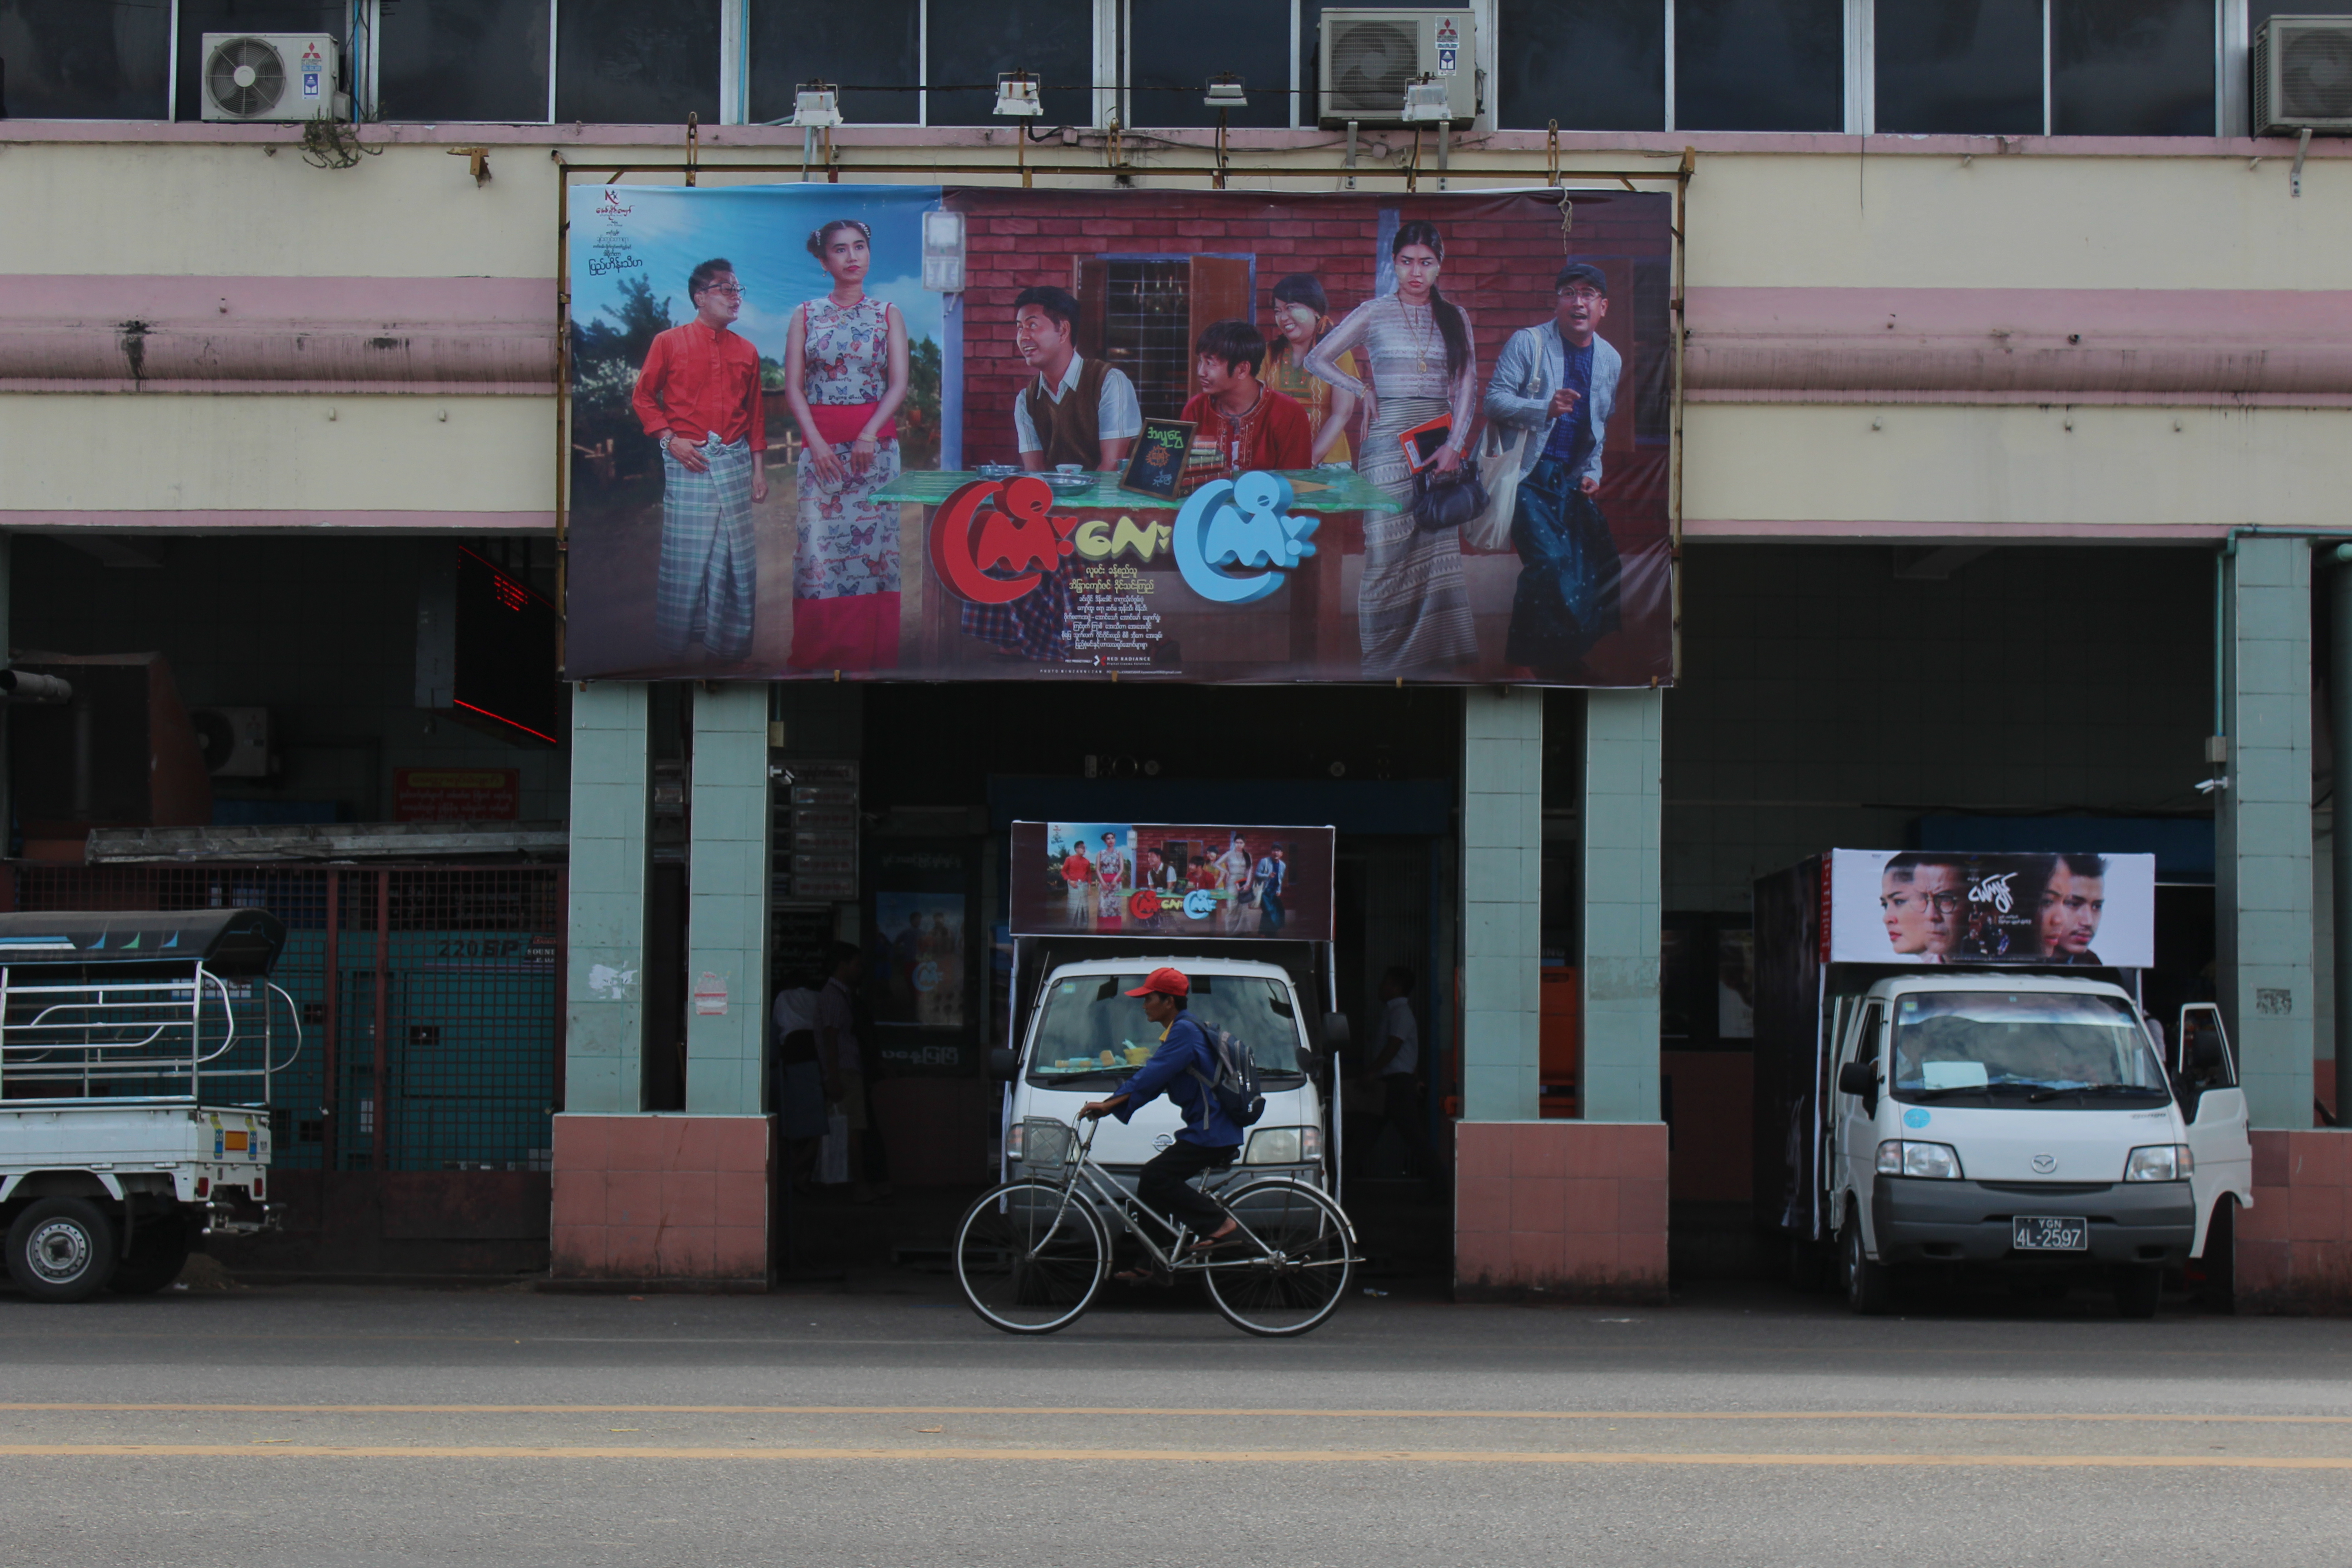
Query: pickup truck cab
{"points": [[2026, 1122], [1085, 1035]]}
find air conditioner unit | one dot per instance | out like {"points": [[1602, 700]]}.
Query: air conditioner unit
{"points": [[262, 76], [235, 741], [1368, 57], [2302, 75]]}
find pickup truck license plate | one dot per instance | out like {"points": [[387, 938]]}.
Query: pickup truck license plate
{"points": [[2050, 1233]]}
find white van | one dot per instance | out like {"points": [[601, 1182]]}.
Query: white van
{"points": [[1085, 1035], [2026, 1122]]}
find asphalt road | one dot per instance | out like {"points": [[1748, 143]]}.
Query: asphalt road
{"points": [[330, 1427]]}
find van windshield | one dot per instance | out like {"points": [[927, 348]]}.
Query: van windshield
{"points": [[1957, 1045], [1093, 1034]]}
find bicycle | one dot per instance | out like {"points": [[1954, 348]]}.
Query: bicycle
{"points": [[1032, 1255]]}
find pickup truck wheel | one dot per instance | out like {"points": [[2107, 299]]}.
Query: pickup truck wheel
{"points": [[159, 1250], [1868, 1287], [61, 1249], [2137, 1292]]}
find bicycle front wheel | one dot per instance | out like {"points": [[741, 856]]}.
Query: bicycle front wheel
{"points": [[1297, 1277], [1030, 1257]]}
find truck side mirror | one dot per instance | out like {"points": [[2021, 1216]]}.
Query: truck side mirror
{"points": [[1859, 1078], [1335, 1030], [1000, 1063]]}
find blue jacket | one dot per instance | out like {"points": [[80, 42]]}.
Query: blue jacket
{"points": [[1185, 1050], [1535, 360]]}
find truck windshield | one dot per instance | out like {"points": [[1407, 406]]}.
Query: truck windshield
{"points": [[1955, 1044], [1092, 1035]]}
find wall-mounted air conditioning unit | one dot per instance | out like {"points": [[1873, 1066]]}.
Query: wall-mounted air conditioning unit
{"points": [[1366, 60], [235, 741], [262, 76], [2302, 75]]}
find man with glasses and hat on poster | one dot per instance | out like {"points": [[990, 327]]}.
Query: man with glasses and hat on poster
{"points": [[1184, 1069]]}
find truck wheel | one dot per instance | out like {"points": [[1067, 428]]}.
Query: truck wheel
{"points": [[61, 1249], [2137, 1292], [159, 1250], [1868, 1287]]}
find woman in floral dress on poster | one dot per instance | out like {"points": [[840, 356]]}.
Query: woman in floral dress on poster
{"points": [[845, 376]]}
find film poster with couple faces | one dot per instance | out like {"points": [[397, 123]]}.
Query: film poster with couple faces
{"points": [[1190, 879], [1931, 907], [805, 462]]}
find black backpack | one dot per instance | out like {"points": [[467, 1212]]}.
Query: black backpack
{"points": [[1236, 1085]]}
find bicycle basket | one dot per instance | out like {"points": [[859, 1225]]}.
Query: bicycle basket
{"points": [[1046, 1142]]}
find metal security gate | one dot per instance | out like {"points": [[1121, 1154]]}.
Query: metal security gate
{"points": [[430, 1000]]}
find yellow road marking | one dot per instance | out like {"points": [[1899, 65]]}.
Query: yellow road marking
{"points": [[1179, 1456], [1124, 1410]]}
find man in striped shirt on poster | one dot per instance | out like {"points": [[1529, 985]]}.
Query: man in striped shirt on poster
{"points": [[699, 398]]}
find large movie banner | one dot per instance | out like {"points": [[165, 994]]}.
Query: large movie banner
{"points": [[1196, 435], [1927, 906], [1142, 879]]}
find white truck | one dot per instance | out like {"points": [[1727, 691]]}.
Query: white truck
{"points": [[137, 1051], [1979, 1096]]}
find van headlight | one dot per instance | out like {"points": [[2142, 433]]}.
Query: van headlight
{"points": [[1902, 1157], [2159, 1162], [1284, 1146], [1013, 1141]]}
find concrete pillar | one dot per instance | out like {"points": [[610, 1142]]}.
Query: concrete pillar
{"points": [[604, 1028], [2339, 715], [2263, 835], [1620, 850], [727, 903], [1502, 893]]}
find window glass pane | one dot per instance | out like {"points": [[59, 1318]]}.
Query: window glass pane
{"points": [[85, 60], [1052, 40], [462, 59], [2132, 68], [198, 17], [1760, 64], [624, 62], [873, 44], [1174, 50], [1592, 65], [1959, 67]]}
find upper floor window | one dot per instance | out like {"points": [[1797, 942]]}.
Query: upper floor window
{"points": [[85, 60]]}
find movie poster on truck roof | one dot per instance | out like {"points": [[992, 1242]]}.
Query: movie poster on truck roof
{"points": [[1148, 878], [1927, 906], [1195, 435]]}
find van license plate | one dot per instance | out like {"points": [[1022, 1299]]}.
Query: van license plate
{"points": [[2050, 1233]]}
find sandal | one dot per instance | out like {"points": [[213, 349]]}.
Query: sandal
{"points": [[1148, 1273], [1207, 1245]]}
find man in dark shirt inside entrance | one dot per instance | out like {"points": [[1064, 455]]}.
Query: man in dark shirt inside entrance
{"points": [[1209, 1140]]}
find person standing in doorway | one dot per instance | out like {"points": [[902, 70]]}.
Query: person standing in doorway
{"points": [[1273, 882], [1557, 382], [697, 396], [838, 1058], [1396, 1068], [845, 376]]}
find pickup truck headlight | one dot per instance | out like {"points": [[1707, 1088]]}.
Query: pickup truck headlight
{"points": [[1284, 1146], [1012, 1143], [2159, 1162], [1902, 1157]]}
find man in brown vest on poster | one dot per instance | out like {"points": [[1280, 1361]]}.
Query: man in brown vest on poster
{"points": [[1078, 411]]}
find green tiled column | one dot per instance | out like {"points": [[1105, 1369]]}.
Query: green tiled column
{"points": [[1502, 888], [2262, 837], [727, 903], [604, 1014], [1619, 844]]}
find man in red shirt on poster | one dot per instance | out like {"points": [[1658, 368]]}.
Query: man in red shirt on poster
{"points": [[1251, 425], [699, 397], [1078, 887]]}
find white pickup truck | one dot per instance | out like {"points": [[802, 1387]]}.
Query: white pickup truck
{"points": [[137, 1052]]}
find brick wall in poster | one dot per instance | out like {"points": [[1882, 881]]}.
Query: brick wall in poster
{"points": [[1501, 255]]}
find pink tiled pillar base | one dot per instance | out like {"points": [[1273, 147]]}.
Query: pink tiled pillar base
{"points": [[662, 1200], [2295, 1246], [1562, 1210]]}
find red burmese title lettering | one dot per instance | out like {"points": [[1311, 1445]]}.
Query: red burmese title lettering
{"points": [[1016, 533]]}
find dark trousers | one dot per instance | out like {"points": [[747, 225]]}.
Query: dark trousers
{"points": [[1400, 1109], [1270, 912], [1567, 596], [1165, 1184]]}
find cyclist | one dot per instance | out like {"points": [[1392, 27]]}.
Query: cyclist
{"points": [[1209, 1140]]}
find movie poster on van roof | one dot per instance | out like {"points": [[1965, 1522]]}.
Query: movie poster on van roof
{"points": [[1150, 878], [902, 432], [1946, 908]]}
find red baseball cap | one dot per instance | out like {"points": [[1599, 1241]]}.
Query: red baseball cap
{"points": [[1167, 982]]}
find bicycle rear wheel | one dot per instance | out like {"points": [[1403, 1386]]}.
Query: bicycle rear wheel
{"points": [[1299, 1277], [1030, 1258]]}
